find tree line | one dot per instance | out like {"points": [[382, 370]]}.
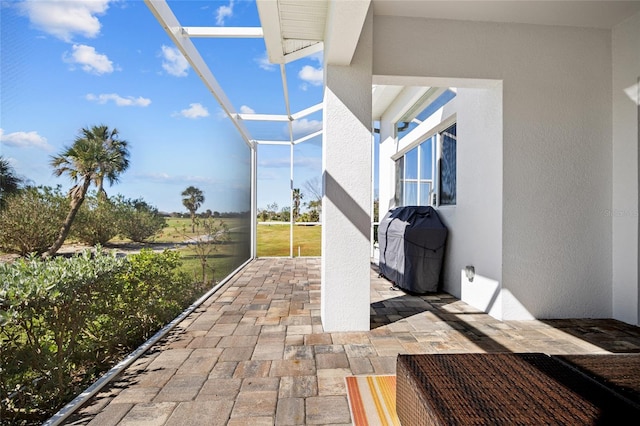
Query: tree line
{"points": [[272, 212]]}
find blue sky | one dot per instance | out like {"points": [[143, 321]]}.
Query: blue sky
{"points": [[71, 65]]}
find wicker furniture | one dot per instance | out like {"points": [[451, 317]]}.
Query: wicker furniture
{"points": [[517, 389]]}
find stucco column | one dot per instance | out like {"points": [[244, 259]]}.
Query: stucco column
{"points": [[626, 158], [346, 201]]}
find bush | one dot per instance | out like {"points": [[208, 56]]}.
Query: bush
{"points": [[47, 310], [31, 220], [64, 321], [138, 220], [96, 221], [154, 292]]}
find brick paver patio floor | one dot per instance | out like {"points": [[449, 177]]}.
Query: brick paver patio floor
{"points": [[255, 353]]}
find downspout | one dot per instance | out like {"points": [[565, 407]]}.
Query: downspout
{"points": [[254, 200], [291, 218]]}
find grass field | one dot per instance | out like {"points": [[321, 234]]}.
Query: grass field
{"points": [[221, 261], [273, 240]]}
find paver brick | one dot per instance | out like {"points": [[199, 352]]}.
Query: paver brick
{"points": [[218, 388], [150, 414], [250, 369], [260, 403], [298, 386], [327, 410], [290, 411], [201, 413]]}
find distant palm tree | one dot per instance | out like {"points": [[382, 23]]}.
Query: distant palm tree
{"points": [[9, 182], [97, 154], [192, 199]]}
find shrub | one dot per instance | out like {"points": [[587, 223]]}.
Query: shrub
{"points": [[64, 321], [31, 220], [154, 292], [101, 219], [96, 221], [47, 308], [138, 220]]}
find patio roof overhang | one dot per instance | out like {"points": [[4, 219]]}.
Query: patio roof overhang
{"points": [[295, 28]]}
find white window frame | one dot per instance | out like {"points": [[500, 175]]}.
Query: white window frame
{"points": [[414, 139], [419, 180]]}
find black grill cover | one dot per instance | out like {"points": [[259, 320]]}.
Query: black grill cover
{"points": [[412, 242]]}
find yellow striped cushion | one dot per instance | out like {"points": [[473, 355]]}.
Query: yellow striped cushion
{"points": [[372, 400]]}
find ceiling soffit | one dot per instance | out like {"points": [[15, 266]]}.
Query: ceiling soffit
{"points": [[297, 28]]}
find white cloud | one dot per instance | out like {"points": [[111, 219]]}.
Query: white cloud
{"points": [[173, 62], [25, 140], [118, 100], [156, 177], [303, 127], [311, 75], [167, 178], [194, 111], [246, 110], [89, 60], [63, 19], [224, 12], [263, 62]]}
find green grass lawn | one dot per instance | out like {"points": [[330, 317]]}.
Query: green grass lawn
{"points": [[179, 229], [220, 261], [224, 259], [273, 240]]}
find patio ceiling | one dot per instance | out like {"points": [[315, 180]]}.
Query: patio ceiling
{"points": [[602, 14]]}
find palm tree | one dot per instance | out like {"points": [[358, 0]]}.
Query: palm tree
{"points": [[97, 154], [192, 199], [9, 182]]}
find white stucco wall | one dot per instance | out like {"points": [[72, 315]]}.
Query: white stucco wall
{"points": [[346, 200], [624, 211], [557, 153], [475, 223]]}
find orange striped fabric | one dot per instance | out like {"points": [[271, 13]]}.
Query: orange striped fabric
{"points": [[372, 400]]}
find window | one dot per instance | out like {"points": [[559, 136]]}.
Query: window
{"points": [[414, 175], [448, 167], [416, 170], [426, 168]]}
